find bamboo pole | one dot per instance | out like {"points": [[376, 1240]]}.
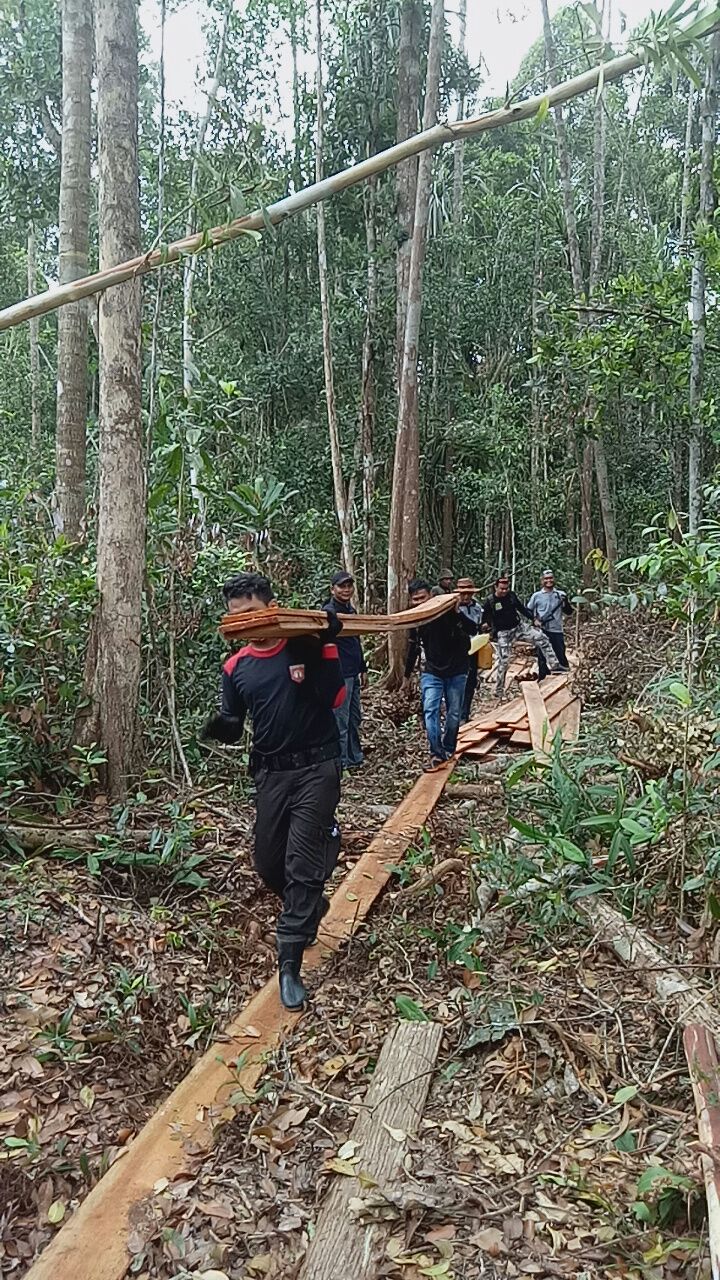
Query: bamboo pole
{"points": [[276, 213]]}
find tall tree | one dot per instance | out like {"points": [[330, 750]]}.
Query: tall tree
{"points": [[190, 267], [448, 501], [405, 498], [408, 96], [343, 508], [72, 388], [34, 341], [698, 285], [121, 516]]}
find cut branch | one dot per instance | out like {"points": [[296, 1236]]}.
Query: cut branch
{"points": [[290, 205]]}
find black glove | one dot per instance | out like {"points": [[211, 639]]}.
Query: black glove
{"points": [[227, 729], [335, 625]]}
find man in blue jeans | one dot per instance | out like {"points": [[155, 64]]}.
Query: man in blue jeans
{"points": [[443, 647], [354, 669]]}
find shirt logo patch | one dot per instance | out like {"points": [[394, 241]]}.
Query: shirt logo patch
{"points": [[297, 674]]}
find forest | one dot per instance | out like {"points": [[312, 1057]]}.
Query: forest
{"points": [[344, 309]]}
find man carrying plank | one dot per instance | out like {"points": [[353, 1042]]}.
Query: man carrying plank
{"points": [[507, 620], [444, 646], [290, 689], [354, 669]]}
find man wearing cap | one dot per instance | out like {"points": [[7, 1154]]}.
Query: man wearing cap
{"points": [[469, 606], [547, 607], [354, 669], [445, 583]]}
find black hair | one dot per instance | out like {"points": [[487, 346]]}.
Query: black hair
{"points": [[244, 585], [418, 584], [503, 577]]}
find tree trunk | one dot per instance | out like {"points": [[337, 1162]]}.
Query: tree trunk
{"points": [[404, 505], [564, 164], [72, 352], [121, 520], [411, 25], [687, 165], [159, 292], [708, 117], [536, 503], [448, 502], [189, 273], [342, 510], [34, 336], [368, 400], [607, 510], [587, 541]]}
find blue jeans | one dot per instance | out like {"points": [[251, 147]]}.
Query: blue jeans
{"points": [[433, 690], [348, 718]]}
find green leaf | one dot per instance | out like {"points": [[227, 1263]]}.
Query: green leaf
{"points": [[626, 1142], [541, 114], [56, 1212], [625, 1094], [681, 693], [409, 1010]]}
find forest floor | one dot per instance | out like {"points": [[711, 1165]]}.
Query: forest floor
{"points": [[559, 1083]]}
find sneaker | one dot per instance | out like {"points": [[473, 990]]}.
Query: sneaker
{"points": [[436, 762]]}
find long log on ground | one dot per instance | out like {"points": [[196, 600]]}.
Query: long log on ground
{"points": [[682, 1001], [343, 1247], [702, 1058], [35, 839], [472, 790], [278, 212], [92, 1244]]}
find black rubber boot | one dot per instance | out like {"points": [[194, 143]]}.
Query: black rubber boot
{"points": [[323, 908], [292, 990]]}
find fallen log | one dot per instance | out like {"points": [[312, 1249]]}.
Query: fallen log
{"points": [[345, 1246], [702, 1059], [682, 1001], [35, 839], [444, 868], [472, 790]]}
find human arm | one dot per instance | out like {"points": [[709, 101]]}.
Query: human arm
{"points": [[227, 725], [413, 653], [521, 608], [468, 624], [486, 617], [566, 605]]}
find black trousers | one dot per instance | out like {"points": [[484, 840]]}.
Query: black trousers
{"points": [[297, 841], [470, 688], [557, 640]]}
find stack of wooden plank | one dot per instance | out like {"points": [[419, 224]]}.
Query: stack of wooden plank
{"points": [[275, 623], [532, 720]]}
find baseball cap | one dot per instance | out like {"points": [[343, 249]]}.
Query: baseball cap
{"points": [[339, 579], [547, 573]]}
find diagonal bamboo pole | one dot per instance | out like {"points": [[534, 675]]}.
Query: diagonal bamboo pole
{"points": [[276, 213]]}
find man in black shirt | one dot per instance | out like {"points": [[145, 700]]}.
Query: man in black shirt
{"points": [[444, 645], [290, 689], [354, 669], [507, 620]]}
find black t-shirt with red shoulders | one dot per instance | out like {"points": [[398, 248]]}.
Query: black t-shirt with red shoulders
{"points": [[289, 691]]}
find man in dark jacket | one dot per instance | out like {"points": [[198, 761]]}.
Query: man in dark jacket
{"points": [[507, 620], [290, 689], [354, 669], [443, 646]]}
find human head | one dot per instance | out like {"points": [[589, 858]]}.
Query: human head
{"points": [[419, 590], [342, 586], [446, 580], [248, 592], [502, 585], [547, 578], [466, 588]]}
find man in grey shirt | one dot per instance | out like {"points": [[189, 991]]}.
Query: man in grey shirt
{"points": [[547, 607]]}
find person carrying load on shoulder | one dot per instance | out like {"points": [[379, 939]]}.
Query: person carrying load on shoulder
{"points": [[507, 620], [443, 646], [354, 669], [547, 607], [290, 689]]}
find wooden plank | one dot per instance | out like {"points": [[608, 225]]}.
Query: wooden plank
{"points": [[520, 738], [537, 719], [567, 722], [92, 1244], [344, 1247], [481, 749], [702, 1058], [274, 623]]}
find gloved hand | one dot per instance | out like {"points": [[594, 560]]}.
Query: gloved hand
{"points": [[227, 729], [335, 625]]}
